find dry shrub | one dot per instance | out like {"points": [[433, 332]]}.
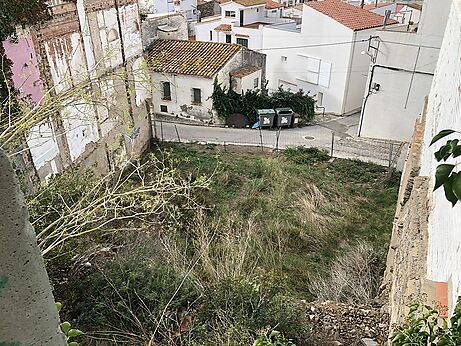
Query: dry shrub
{"points": [[354, 276]]}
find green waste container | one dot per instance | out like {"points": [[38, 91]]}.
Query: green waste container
{"points": [[284, 116], [266, 117]]}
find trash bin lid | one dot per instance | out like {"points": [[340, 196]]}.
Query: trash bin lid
{"points": [[283, 110], [267, 111]]}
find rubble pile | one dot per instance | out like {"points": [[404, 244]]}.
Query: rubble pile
{"points": [[347, 324]]}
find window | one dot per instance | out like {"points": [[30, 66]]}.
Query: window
{"points": [[256, 83], [319, 99], [163, 109], [211, 35], [228, 38], [318, 72], [166, 91], [196, 96], [283, 58], [230, 14], [257, 10], [242, 41]]}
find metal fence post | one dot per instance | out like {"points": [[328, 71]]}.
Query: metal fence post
{"points": [[177, 133], [332, 143]]}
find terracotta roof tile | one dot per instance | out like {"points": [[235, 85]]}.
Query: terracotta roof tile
{"points": [[351, 16], [223, 27], [197, 58], [270, 4], [244, 71]]}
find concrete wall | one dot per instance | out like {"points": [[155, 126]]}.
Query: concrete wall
{"points": [[28, 312], [150, 26], [26, 75], [405, 64]]}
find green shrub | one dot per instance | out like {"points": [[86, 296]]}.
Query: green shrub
{"points": [[241, 307], [227, 102], [130, 296], [425, 328], [301, 155], [274, 338]]}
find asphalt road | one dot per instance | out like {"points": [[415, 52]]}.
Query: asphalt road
{"points": [[316, 135], [339, 130]]}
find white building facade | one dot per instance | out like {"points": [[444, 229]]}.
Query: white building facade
{"points": [[184, 72], [325, 56], [401, 75], [241, 22]]}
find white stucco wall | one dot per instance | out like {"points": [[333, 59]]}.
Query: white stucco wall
{"points": [[382, 10], [247, 82], [444, 112], [319, 29], [42, 144], [181, 95], [391, 112]]}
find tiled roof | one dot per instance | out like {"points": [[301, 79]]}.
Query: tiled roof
{"points": [[224, 27], [270, 4], [248, 3], [244, 71], [197, 58], [415, 6], [351, 16]]}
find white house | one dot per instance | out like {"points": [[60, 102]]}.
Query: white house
{"points": [[241, 22], [381, 7], [188, 7], [184, 72], [324, 57], [402, 73]]}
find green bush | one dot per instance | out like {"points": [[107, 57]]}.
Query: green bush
{"points": [[227, 102], [241, 307], [425, 328], [130, 296], [273, 338], [301, 155]]}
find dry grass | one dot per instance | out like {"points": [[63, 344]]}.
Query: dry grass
{"points": [[354, 276]]}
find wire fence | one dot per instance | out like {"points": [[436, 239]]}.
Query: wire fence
{"points": [[338, 142]]}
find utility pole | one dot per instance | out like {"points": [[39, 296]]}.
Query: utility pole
{"points": [[362, 3]]}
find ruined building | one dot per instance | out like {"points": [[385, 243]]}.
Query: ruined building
{"points": [[89, 59]]}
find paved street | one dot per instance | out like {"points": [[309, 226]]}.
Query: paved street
{"points": [[320, 135]]}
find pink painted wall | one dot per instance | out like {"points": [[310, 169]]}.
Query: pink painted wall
{"points": [[26, 75]]}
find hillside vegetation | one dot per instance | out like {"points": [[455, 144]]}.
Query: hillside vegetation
{"points": [[231, 259]]}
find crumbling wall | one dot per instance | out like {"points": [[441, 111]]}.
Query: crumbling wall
{"points": [[91, 57], [28, 312]]}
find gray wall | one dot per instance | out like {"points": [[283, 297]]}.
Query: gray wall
{"points": [[27, 307]]}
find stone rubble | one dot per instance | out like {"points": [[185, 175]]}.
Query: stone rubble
{"points": [[347, 324]]}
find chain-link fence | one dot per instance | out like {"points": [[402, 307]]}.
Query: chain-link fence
{"points": [[337, 137]]}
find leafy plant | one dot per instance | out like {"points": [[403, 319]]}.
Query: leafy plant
{"points": [[227, 102], [425, 327], [67, 329], [274, 338], [445, 175]]}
